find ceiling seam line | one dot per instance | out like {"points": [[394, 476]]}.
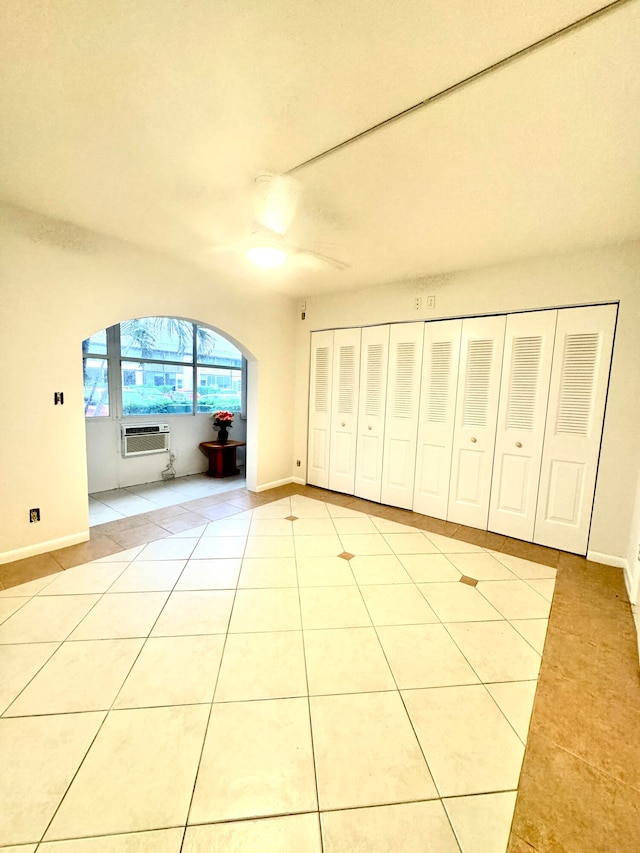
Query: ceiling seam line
{"points": [[454, 87]]}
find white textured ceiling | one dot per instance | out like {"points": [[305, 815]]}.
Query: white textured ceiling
{"points": [[148, 121]]}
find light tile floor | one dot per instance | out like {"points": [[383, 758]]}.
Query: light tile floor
{"points": [[241, 687]]}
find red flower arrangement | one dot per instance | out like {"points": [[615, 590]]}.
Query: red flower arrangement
{"points": [[223, 419]]}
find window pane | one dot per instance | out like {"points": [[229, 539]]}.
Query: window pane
{"points": [[96, 344], [214, 349], [150, 389], [96, 388], [157, 337], [219, 389]]}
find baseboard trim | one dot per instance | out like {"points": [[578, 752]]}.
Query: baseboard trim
{"points": [[299, 481], [43, 547], [274, 485], [607, 560]]}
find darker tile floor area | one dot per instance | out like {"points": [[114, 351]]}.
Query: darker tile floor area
{"points": [[580, 783]]}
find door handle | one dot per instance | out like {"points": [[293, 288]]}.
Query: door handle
{"points": [[518, 444], [369, 427], [343, 424], [474, 440]]}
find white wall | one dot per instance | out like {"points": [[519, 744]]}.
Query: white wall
{"points": [[58, 285], [108, 469], [596, 276]]}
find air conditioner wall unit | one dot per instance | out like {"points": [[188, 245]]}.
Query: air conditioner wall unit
{"points": [[142, 439]]}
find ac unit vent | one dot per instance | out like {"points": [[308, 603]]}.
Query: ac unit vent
{"points": [[142, 439]]}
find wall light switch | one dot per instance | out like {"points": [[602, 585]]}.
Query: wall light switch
{"points": [[58, 398]]}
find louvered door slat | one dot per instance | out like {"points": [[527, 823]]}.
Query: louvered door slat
{"points": [[522, 410], [345, 384], [371, 415], [401, 423], [320, 392], [436, 420]]}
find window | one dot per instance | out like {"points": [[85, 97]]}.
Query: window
{"points": [[160, 365]]}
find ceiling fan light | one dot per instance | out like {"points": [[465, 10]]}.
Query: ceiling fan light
{"points": [[266, 256]]}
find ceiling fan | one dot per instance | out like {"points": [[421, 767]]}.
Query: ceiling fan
{"points": [[276, 199]]}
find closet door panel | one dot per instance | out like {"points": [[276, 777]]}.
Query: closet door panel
{"points": [[371, 412], [475, 424], [526, 371], [440, 361], [320, 408], [577, 397], [401, 421], [344, 409]]}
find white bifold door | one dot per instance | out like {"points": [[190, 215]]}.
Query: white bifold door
{"points": [[577, 397], [401, 417], [475, 420], [320, 408], [440, 357], [344, 410], [526, 369], [374, 356]]}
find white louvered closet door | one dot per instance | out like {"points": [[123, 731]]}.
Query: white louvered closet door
{"points": [[320, 408], [526, 371], [344, 409], [373, 390], [440, 360], [577, 397], [401, 419], [475, 424]]}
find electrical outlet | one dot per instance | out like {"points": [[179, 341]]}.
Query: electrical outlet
{"points": [[298, 465], [417, 303], [34, 515], [639, 553], [431, 301]]}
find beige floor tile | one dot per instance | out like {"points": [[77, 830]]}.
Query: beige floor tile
{"points": [[269, 546], [149, 576], [496, 651], [228, 527], [469, 745], [324, 571], [219, 547], [20, 848], [481, 566], [524, 569], [515, 599], [81, 676], [121, 556], [121, 615], [366, 752], [544, 586], [314, 527], [271, 527], [410, 543], [458, 602], [210, 574], [291, 834], [18, 665], [157, 841], [30, 588], [409, 827], [195, 612], [191, 532], [453, 546], [401, 604], [336, 511], [39, 758], [179, 548], [355, 524], [276, 509], [380, 569], [424, 656], [429, 568], [333, 607], [318, 546], [307, 508], [385, 525], [85, 579], [346, 660], [173, 671], [262, 666], [44, 620], [9, 606], [515, 700], [265, 572], [482, 823], [245, 772], [533, 630], [140, 770], [265, 610], [365, 544]]}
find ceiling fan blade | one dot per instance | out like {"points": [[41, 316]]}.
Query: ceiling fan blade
{"points": [[317, 259], [276, 199]]}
